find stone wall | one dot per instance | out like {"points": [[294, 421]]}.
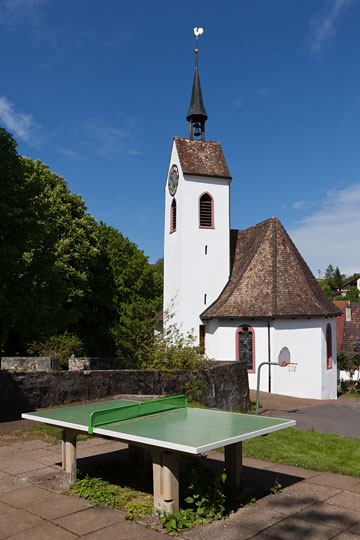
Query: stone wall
{"points": [[222, 385], [80, 364], [30, 363]]}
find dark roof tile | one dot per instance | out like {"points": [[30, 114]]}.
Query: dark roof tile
{"points": [[202, 158], [269, 278]]}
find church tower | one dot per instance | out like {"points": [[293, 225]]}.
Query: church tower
{"points": [[197, 220]]}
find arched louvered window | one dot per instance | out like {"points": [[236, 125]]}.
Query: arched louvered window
{"points": [[328, 347], [245, 347], [173, 216], [206, 211]]}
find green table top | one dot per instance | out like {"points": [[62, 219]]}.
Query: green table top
{"points": [[185, 430]]}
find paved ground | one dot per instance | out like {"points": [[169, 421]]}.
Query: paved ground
{"points": [[333, 416], [312, 505]]}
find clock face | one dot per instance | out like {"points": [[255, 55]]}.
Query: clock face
{"points": [[173, 180]]}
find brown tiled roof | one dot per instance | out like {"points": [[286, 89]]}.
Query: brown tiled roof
{"points": [[202, 158], [269, 278], [351, 329]]}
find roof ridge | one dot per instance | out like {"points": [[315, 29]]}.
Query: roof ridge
{"points": [[298, 258]]}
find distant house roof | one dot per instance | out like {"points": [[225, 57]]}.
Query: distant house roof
{"points": [[202, 158], [269, 278], [348, 332], [350, 283]]}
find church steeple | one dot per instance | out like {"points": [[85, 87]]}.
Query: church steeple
{"points": [[197, 115]]}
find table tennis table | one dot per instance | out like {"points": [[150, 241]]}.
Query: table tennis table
{"points": [[165, 427]]}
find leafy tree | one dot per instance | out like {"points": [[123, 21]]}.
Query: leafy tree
{"points": [[137, 292], [63, 272], [329, 275], [352, 294], [337, 279], [18, 229], [350, 361]]}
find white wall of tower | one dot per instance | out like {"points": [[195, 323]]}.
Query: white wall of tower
{"points": [[196, 261]]}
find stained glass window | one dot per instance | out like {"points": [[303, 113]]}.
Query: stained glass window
{"points": [[246, 347]]}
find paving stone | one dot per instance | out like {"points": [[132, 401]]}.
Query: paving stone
{"points": [[56, 506], [257, 463], [219, 530], [243, 524], [346, 499], [31, 445], [296, 529], [9, 483], [347, 535], [42, 456], [44, 532], [124, 531], [90, 520], [326, 514], [356, 528], [313, 492], [336, 480], [17, 520], [21, 498], [4, 508], [18, 466], [38, 476], [294, 471]]}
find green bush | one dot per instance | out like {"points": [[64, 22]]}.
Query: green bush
{"points": [[171, 349], [63, 345]]}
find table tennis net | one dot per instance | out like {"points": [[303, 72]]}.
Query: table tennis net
{"points": [[135, 410]]}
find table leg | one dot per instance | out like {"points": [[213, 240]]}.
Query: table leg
{"points": [[136, 455], [69, 454], [165, 480], [233, 465]]}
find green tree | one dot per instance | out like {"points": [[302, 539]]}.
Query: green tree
{"points": [[337, 279], [352, 294], [18, 229], [329, 276], [137, 292]]}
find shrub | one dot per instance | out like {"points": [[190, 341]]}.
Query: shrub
{"points": [[63, 345]]}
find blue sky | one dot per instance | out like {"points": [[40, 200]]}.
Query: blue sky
{"points": [[98, 90]]}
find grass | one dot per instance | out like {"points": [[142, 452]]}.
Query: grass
{"points": [[50, 433], [116, 485], [308, 449]]}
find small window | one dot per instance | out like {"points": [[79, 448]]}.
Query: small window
{"points": [[206, 211], [202, 337], [245, 347], [328, 347], [173, 216]]}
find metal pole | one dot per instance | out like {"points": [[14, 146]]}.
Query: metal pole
{"points": [[258, 381]]}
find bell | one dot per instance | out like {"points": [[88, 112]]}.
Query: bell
{"points": [[197, 130]]}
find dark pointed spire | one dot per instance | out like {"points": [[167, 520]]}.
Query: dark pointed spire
{"points": [[197, 115]]}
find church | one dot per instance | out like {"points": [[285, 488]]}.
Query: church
{"points": [[245, 294]]}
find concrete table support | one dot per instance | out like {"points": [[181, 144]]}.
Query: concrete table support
{"points": [[69, 454], [233, 465], [137, 455], [165, 480]]}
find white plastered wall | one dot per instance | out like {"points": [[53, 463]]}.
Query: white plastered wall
{"points": [[306, 341], [196, 261]]}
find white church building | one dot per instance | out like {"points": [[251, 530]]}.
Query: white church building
{"points": [[248, 293]]}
